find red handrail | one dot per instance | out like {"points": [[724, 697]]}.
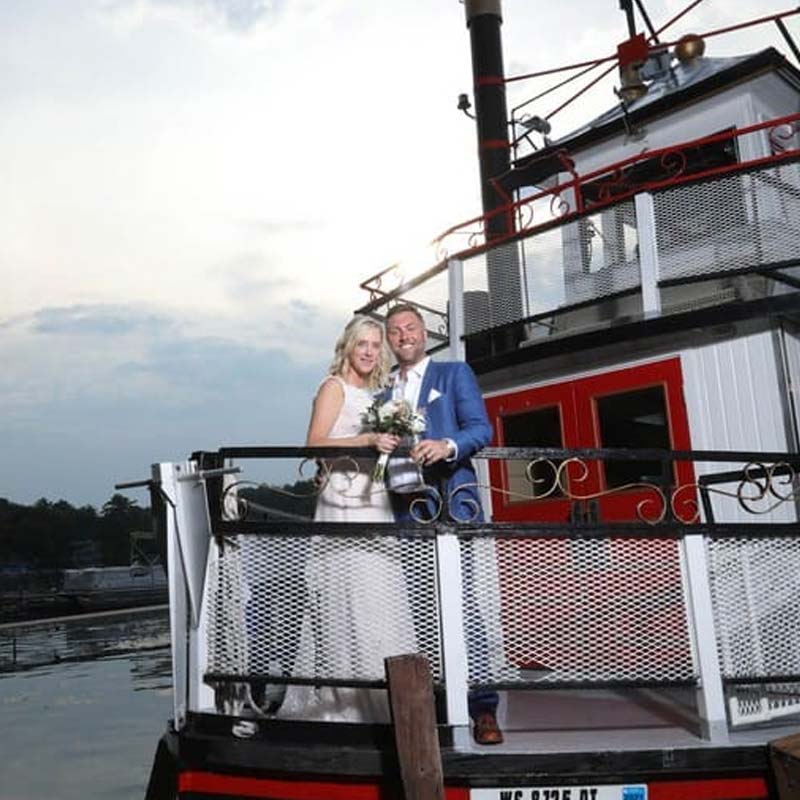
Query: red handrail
{"points": [[476, 226]]}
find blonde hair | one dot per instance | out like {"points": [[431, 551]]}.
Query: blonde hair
{"points": [[347, 342]]}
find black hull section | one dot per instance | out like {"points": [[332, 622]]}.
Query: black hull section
{"points": [[289, 760]]}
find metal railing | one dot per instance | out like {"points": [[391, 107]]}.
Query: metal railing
{"points": [[681, 593], [636, 231]]}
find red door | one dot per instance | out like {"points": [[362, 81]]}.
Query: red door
{"points": [[545, 417], [637, 407]]}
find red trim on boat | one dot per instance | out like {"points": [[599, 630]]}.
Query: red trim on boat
{"points": [[494, 144], [490, 80], [269, 788], [717, 789], [212, 783], [754, 788]]}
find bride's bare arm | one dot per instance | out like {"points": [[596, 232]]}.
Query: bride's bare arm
{"points": [[327, 405]]}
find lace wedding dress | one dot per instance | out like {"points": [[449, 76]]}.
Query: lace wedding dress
{"points": [[356, 606]]}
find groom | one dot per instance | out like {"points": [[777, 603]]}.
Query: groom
{"points": [[457, 427]]}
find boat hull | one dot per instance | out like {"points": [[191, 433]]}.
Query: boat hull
{"points": [[288, 761]]}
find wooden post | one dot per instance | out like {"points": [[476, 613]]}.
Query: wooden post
{"points": [[414, 715], [784, 758]]}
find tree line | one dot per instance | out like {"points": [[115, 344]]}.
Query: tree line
{"points": [[57, 535]]}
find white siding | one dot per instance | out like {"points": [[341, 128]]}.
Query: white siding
{"points": [[733, 400], [792, 342]]}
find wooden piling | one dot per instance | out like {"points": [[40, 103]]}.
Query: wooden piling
{"points": [[784, 759], [414, 716]]}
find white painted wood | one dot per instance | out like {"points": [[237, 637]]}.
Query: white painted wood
{"points": [[455, 317], [711, 696], [454, 655], [166, 476], [648, 252], [791, 340], [732, 391]]}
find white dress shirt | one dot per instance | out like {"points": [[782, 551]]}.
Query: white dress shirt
{"points": [[408, 388]]}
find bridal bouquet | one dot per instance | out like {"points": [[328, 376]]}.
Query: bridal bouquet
{"points": [[391, 416]]}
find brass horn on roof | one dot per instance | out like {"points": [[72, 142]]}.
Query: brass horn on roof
{"points": [[689, 48]]}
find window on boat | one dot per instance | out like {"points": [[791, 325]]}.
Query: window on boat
{"points": [[636, 419], [682, 162], [538, 428], [608, 238]]}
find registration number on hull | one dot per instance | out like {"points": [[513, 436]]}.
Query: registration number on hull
{"points": [[634, 791]]}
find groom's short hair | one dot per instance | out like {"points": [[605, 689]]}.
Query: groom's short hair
{"points": [[400, 308]]}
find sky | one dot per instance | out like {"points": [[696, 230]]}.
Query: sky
{"points": [[192, 190]]}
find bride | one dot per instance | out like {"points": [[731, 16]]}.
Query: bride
{"points": [[357, 610]]}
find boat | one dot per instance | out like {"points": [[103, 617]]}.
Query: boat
{"points": [[105, 588], [628, 299], [142, 582]]}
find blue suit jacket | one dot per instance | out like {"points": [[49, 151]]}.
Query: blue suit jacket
{"points": [[453, 405]]}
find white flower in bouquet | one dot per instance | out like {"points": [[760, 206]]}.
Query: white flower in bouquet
{"points": [[396, 417]]}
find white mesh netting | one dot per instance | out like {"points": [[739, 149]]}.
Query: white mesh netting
{"points": [[322, 607], [577, 610]]}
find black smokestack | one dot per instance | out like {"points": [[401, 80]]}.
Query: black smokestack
{"points": [[484, 18]]}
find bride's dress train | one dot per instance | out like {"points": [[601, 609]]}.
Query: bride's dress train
{"points": [[356, 606]]}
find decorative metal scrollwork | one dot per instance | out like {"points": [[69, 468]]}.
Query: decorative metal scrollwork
{"points": [[781, 136], [618, 183], [760, 484], [525, 216], [475, 238], [559, 207], [674, 163]]}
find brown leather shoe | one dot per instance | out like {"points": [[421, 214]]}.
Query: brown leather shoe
{"points": [[486, 730]]}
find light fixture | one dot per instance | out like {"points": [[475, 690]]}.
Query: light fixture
{"points": [[465, 105]]}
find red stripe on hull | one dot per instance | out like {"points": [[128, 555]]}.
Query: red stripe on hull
{"points": [[717, 789], [211, 783]]}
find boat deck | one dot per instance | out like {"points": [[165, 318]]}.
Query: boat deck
{"points": [[569, 721]]}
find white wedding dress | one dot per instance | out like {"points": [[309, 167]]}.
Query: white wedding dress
{"points": [[356, 607]]}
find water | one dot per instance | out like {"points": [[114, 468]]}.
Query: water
{"points": [[83, 703]]}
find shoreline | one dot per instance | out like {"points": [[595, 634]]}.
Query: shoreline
{"points": [[82, 615]]}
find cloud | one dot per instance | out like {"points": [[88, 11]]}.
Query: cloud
{"points": [[282, 226], [108, 320], [237, 16], [91, 395]]}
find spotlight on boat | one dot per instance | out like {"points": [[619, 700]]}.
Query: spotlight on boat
{"points": [[537, 123]]}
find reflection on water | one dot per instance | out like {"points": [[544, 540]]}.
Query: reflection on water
{"points": [[82, 637], [78, 722]]}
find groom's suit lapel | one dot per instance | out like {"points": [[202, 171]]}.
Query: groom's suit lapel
{"points": [[433, 412], [428, 382]]}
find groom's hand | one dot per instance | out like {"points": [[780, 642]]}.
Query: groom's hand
{"points": [[429, 451]]}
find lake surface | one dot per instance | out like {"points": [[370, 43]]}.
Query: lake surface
{"points": [[83, 702]]}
